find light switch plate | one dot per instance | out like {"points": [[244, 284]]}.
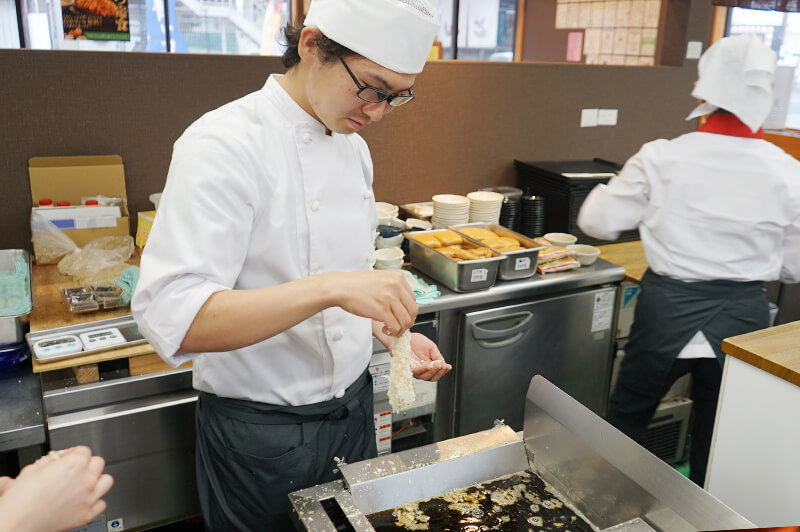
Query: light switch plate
{"points": [[694, 49], [588, 117], [607, 117]]}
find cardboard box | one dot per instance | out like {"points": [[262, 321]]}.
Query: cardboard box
{"points": [[71, 178]]}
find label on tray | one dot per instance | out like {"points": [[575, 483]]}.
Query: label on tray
{"points": [[479, 274], [522, 263]]}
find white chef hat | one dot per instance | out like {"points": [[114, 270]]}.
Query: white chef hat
{"points": [[396, 34], [735, 74]]}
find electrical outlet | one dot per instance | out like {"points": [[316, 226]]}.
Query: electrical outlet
{"points": [[607, 117], [588, 117]]}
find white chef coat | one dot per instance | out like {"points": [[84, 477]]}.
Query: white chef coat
{"points": [[708, 206], [258, 195]]}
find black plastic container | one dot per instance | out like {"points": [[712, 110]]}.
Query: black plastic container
{"points": [[566, 193]]}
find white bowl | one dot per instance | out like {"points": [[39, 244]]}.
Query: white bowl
{"points": [[389, 265], [415, 223], [586, 255], [155, 198], [386, 209], [389, 254], [391, 242], [560, 239]]}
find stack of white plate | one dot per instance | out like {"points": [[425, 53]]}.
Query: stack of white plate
{"points": [[484, 206], [449, 209]]}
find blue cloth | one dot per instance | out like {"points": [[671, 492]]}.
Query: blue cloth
{"points": [[424, 292], [127, 282]]}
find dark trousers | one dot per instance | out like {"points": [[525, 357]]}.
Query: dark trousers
{"points": [[630, 411], [250, 456]]}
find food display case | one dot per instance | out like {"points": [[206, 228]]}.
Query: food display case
{"points": [[567, 469]]}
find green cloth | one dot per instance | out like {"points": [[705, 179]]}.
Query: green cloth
{"points": [[127, 282], [15, 295], [424, 292]]}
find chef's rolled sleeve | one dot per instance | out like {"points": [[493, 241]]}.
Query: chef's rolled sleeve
{"points": [[197, 244], [618, 206]]}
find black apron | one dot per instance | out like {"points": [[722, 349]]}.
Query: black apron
{"points": [[251, 455], [670, 312]]}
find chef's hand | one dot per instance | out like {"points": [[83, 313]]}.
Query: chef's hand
{"points": [[431, 365], [381, 295], [59, 491]]}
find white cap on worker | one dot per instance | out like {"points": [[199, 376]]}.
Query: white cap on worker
{"points": [[396, 34], [735, 74]]}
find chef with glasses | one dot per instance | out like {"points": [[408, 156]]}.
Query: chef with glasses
{"points": [[258, 267]]}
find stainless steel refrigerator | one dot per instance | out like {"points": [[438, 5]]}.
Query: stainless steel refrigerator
{"points": [[567, 338]]}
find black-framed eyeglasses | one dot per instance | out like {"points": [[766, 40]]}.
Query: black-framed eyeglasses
{"points": [[372, 94]]}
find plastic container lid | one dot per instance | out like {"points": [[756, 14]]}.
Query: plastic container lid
{"points": [[92, 202], [63, 204], [45, 202]]}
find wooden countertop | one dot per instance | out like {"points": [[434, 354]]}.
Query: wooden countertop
{"points": [[775, 350], [629, 255], [50, 312]]}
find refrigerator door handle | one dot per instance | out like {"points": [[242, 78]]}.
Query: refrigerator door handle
{"points": [[492, 339]]}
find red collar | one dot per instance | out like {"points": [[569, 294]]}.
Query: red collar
{"points": [[728, 124]]}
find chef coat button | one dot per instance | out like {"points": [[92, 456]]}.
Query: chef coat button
{"points": [[367, 194], [337, 336], [306, 138], [315, 205], [339, 394]]}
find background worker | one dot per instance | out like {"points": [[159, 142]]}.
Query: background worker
{"points": [[258, 266], [718, 211]]}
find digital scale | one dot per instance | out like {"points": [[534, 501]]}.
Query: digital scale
{"points": [[84, 338]]}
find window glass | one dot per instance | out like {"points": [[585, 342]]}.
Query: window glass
{"points": [[44, 29], [781, 32], [229, 26], [486, 30], [445, 35], [9, 30]]}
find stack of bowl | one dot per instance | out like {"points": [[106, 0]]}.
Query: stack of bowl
{"points": [[450, 209], [484, 206]]}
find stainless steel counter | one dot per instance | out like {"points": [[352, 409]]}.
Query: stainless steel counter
{"points": [[598, 273], [21, 412]]}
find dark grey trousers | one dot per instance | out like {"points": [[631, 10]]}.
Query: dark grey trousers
{"points": [[250, 456]]}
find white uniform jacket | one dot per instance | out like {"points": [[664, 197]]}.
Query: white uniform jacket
{"points": [[258, 195], [708, 206]]}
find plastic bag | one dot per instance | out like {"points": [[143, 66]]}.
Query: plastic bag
{"points": [[102, 259], [50, 241]]}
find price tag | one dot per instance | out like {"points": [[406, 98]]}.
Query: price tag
{"points": [[479, 274], [522, 263]]}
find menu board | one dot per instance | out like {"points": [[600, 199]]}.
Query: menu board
{"points": [[615, 32], [98, 20]]}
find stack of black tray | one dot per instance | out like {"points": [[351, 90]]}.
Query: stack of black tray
{"points": [[565, 185]]}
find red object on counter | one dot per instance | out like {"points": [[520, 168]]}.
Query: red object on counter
{"points": [[92, 202], [45, 202], [63, 204]]}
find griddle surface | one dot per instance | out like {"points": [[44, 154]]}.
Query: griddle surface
{"points": [[521, 501]]}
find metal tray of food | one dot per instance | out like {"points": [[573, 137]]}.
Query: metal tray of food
{"points": [[459, 276], [13, 328], [521, 263]]}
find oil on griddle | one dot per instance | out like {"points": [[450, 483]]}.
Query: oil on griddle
{"points": [[521, 501]]}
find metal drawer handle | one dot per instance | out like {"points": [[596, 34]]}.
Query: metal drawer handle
{"points": [[516, 330], [104, 417]]}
